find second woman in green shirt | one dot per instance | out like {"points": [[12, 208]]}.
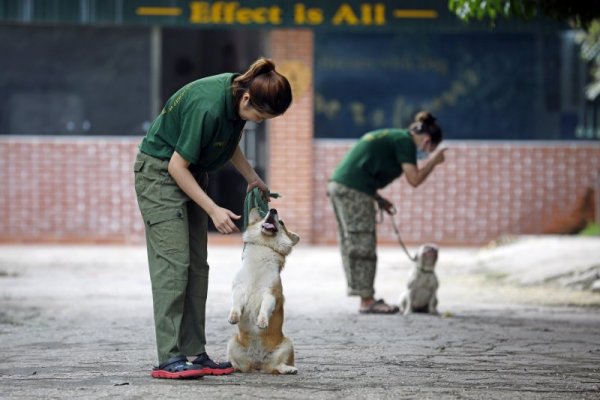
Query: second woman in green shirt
{"points": [[376, 160]]}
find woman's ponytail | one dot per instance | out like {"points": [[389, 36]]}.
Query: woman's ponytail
{"points": [[270, 92]]}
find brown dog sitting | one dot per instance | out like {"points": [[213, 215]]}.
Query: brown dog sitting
{"points": [[258, 299]]}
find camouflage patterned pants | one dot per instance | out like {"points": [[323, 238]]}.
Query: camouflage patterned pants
{"points": [[355, 214]]}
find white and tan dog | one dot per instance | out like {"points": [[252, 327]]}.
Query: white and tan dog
{"points": [[258, 299], [421, 294]]}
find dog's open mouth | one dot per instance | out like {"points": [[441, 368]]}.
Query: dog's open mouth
{"points": [[270, 223]]}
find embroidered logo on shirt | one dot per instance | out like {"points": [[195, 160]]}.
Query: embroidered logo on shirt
{"points": [[176, 102]]}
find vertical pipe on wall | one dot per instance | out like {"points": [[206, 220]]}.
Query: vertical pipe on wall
{"points": [[155, 70], [26, 8], [84, 11]]}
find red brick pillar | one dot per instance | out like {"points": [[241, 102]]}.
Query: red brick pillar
{"points": [[290, 138]]}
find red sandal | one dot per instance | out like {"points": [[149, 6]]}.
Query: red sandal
{"points": [[211, 367], [178, 367]]}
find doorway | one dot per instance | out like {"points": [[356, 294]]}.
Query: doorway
{"points": [[189, 54]]}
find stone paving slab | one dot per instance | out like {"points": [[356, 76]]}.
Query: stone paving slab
{"points": [[76, 322]]}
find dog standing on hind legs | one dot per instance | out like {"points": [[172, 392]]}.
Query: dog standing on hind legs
{"points": [[421, 293], [257, 299]]}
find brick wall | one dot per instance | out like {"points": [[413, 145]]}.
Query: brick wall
{"points": [[483, 191], [291, 135], [81, 190], [68, 190]]}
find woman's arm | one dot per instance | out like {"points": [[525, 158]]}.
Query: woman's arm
{"points": [[221, 217], [240, 162], [416, 176]]}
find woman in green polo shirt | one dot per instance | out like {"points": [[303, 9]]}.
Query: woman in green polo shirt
{"points": [[198, 131], [377, 159]]}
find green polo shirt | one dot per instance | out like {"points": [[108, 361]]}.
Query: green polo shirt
{"points": [[376, 160], [200, 122]]}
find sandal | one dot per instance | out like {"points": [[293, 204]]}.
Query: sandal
{"points": [[209, 367], [177, 367], [379, 307]]}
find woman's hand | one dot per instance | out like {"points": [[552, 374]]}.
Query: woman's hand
{"points": [[385, 204], [223, 218], [415, 175], [438, 157], [262, 186]]}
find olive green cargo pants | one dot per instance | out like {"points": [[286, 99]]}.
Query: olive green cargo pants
{"points": [[355, 214], [176, 234]]}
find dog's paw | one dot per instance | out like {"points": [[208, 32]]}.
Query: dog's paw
{"points": [[234, 317], [287, 369], [262, 322]]}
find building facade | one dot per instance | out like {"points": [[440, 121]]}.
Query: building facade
{"points": [[83, 79]]}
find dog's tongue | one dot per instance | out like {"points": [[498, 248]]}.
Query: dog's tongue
{"points": [[269, 226]]}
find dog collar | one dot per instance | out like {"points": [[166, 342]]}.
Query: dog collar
{"points": [[268, 247]]}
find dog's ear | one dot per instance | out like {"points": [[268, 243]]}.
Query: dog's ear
{"points": [[254, 216], [293, 237]]}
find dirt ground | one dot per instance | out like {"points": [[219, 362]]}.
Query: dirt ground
{"points": [[76, 322]]}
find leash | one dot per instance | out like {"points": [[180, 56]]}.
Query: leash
{"points": [[392, 212], [255, 199]]}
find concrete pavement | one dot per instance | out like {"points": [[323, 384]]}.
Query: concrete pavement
{"points": [[76, 322]]}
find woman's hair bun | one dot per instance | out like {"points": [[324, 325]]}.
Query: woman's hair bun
{"points": [[425, 123], [425, 117], [262, 66]]}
